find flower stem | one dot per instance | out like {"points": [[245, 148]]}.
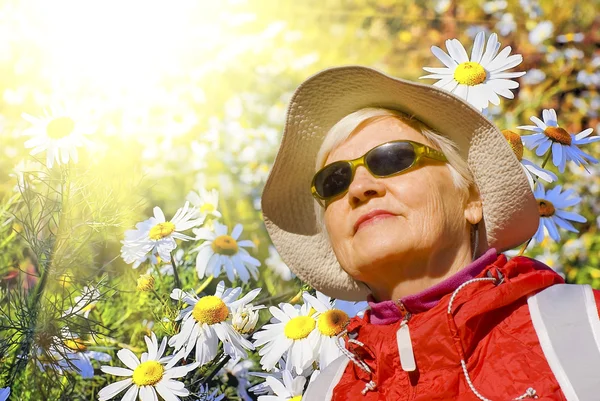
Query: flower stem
{"points": [[204, 284], [524, 247], [216, 370], [157, 269], [177, 283], [159, 298], [546, 159], [34, 303]]}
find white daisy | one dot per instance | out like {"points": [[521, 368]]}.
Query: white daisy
{"points": [[157, 235], [506, 24], [542, 31], [132, 252], [275, 263], [59, 133], [293, 332], [207, 320], [80, 357], [534, 77], [27, 174], [68, 353], [290, 389], [153, 374], [262, 387], [238, 368], [206, 201], [491, 7], [206, 395], [482, 78], [571, 37], [441, 6], [83, 304], [245, 318], [564, 145], [332, 319], [223, 251], [166, 269], [552, 206], [4, 393], [531, 169]]}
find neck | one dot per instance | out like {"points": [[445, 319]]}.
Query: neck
{"points": [[419, 272]]}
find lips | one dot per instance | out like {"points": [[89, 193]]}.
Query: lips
{"points": [[371, 216]]}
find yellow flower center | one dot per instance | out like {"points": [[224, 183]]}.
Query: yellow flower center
{"points": [[558, 134], [225, 245], [207, 208], [333, 322], [514, 140], [546, 208], [210, 310], [60, 127], [470, 73], [296, 398], [76, 344], [299, 327], [162, 230], [86, 308], [570, 36], [148, 373], [145, 283]]}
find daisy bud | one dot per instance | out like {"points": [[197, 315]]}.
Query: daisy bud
{"points": [[145, 283], [244, 319]]}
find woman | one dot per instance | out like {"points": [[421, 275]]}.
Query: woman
{"points": [[414, 193]]}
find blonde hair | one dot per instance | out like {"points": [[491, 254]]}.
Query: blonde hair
{"points": [[459, 169]]}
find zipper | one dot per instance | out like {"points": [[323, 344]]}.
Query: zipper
{"points": [[405, 348]]}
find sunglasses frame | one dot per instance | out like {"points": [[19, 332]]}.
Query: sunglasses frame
{"points": [[421, 151]]}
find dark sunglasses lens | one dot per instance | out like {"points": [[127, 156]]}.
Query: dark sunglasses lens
{"points": [[333, 179], [390, 158]]}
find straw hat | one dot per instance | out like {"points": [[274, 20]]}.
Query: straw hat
{"points": [[510, 212]]}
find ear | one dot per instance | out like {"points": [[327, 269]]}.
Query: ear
{"points": [[473, 206]]}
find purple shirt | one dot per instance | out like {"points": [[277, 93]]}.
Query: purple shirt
{"points": [[386, 312]]}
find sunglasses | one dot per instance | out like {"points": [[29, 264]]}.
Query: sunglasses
{"points": [[385, 160]]}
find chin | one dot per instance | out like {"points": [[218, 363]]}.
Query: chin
{"points": [[381, 246]]}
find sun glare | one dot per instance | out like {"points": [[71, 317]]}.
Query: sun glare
{"points": [[122, 47]]}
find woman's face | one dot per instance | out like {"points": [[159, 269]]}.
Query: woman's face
{"points": [[421, 211]]}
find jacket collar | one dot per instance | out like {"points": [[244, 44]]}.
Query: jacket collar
{"points": [[387, 312]]}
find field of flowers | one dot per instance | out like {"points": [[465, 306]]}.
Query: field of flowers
{"points": [[136, 137]]}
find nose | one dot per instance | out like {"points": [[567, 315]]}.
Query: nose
{"points": [[364, 187]]}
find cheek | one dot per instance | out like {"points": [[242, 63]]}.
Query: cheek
{"points": [[432, 202], [333, 218], [339, 237], [446, 206]]}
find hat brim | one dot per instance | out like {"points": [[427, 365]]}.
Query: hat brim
{"points": [[510, 211]]}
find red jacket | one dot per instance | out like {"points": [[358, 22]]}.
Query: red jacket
{"points": [[490, 325]]}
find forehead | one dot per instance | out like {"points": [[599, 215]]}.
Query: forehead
{"points": [[373, 134]]}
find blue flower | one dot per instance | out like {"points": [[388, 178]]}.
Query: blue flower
{"points": [[552, 206], [531, 169], [564, 145], [4, 393]]}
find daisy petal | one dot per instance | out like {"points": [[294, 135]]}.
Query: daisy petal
{"points": [[113, 389], [443, 57], [116, 371], [478, 45], [128, 358], [491, 50], [131, 394]]}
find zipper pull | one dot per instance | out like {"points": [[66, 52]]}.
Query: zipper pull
{"points": [[405, 349]]}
